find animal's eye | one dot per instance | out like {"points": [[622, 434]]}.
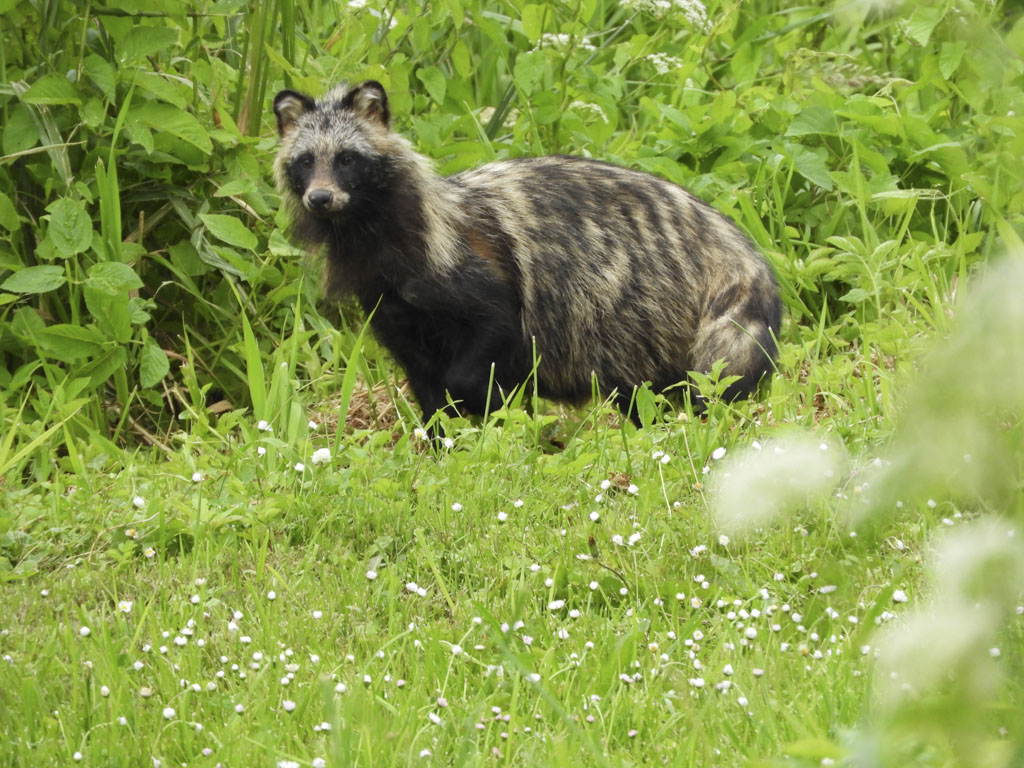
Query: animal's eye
{"points": [[345, 158], [305, 161]]}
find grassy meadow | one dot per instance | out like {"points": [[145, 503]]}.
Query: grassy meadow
{"points": [[224, 540]]}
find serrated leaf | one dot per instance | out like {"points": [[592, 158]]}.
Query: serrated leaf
{"points": [[230, 230], [153, 364], [35, 279], [113, 277], [70, 228], [146, 41], [434, 81], [164, 117], [51, 89]]}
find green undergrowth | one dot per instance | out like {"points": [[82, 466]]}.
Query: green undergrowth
{"points": [[225, 541]]}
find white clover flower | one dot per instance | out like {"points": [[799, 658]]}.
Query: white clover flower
{"points": [[84, 631], [139, 502], [371, 574], [899, 596], [595, 516], [456, 507], [168, 713], [320, 456], [300, 467], [271, 595], [502, 517], [289, 705], [556, 605]]}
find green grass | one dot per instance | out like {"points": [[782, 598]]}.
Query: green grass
{"points": [[154, 322]]}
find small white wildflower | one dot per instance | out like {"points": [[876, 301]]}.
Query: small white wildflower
{"points": [[320, 456], [371, 574], [595, 516], [723, 540], [502, 517], [168, 713], [718, 453], [263, 426], [84, 631], [289, 705], [271, 595], [899, 596], [456, 507], [556, 605], [125, 606]]}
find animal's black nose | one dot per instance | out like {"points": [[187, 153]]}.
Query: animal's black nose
{"points": [[320, 198]]}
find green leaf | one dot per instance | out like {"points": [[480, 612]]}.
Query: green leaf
{"points": [[528, 70], [230, 230], [20, 132], [70, 228], [109, 312], [141, 42], [68, 342], [102, 74], [434, 81], [51, 89], [35, 280], [533, 22], [461, 60], [811, 165], [153, 364], [815, 119], [169, 119], [113, 278], [950, 57], [923, 22], [8, 216]]}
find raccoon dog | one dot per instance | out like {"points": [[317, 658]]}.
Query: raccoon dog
{"points": [[603, 270]]}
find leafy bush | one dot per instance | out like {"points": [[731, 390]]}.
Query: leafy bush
{"points": [[145, 271]]}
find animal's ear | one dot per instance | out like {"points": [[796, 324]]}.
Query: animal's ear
{"points": [[369, 101], [289, 106]]}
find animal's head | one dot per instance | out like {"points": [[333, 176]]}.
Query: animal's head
{"points": [[336, 152]]}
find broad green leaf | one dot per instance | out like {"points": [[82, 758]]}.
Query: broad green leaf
{"points": [[20, 132], [164, 117], [141, 42], [35, 279], [461, 60], [235, 187], [815, 119], [230, 230], [109, 312], [8, 216], [70, 228], [434, 81], [161, 87], [811, 165], [113, 277], [950, 57], [533, 22], [51, 89], [153, 364], [528, 70], [102, 74], [923, 22], [68, 342]]}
